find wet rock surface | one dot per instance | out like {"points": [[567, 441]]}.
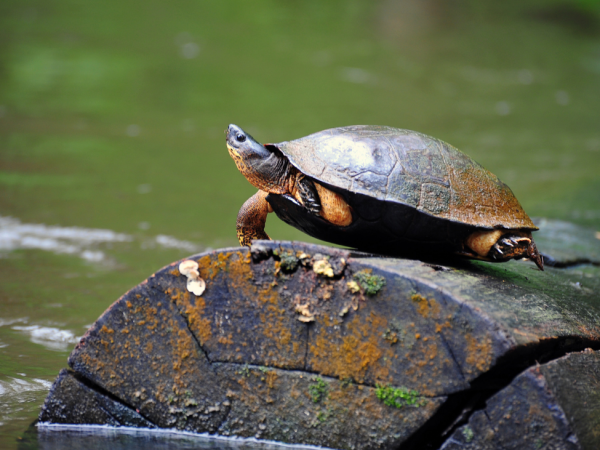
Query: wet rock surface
{"points": [[302, 343]]}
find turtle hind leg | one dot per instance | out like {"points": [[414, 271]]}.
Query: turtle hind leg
{"points": [[512, 245], [502, 245], [535, 256], [516, 245], [252, 218]]}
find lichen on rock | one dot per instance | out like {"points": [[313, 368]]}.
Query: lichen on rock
{"points": [[370, 284]]}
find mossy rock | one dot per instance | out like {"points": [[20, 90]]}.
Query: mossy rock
{"points": [[309, 344]]}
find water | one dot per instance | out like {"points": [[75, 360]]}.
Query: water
{"points": [[112, 155]]}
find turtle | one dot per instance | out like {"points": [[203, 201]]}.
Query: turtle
{"points": [[382, 190]]}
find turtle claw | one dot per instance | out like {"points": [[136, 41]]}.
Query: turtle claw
{"points": [[314, 208], [497, 248], [507, 242]]}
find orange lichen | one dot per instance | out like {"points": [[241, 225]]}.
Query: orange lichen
{"points": [[431, 352], [479, 352], [240, 271], [209, 268], [426, 308], [206, 267], [274, 325], [271, 378], [200, 325], [225, 340], [440, 326], [359, 351]]}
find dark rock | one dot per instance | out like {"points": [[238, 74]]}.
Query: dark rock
{"points": [[303, 343], [72, 401], [554, 405]]}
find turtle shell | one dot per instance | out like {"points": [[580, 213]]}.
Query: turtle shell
{"points": [[407, 168]]}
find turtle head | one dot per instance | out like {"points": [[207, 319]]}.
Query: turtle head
{"points": [[262, 165], [241, 145]]}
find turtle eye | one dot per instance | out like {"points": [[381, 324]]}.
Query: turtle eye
{"points": [[240, 138]]}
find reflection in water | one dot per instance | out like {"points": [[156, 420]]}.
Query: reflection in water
{"points": [[82, 242], [63, 437], [71, 240], [50, 337]]}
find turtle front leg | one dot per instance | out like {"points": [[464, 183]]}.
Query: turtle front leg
{"points": [[321, 201], [252, 218], [307, 193]]}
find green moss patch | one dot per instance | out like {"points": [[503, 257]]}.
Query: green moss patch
{"points": [[319, 390], [468, 433], [288, 261], [398, 397], [370, 284]]}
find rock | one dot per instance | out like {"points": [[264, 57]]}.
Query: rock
{"points": [[554, 405], [565, 244], [309, 344], [72, 401]]}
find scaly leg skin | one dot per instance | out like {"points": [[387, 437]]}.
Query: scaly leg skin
{"points": [[308, 194], [252, 218]]}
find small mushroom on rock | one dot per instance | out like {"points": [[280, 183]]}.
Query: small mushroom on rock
{"points": [[195, 284]]}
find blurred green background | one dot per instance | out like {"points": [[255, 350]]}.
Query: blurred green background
{"points": [[112, 117]]}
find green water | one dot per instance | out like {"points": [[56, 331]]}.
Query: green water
{"points": [[112, 117]]}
